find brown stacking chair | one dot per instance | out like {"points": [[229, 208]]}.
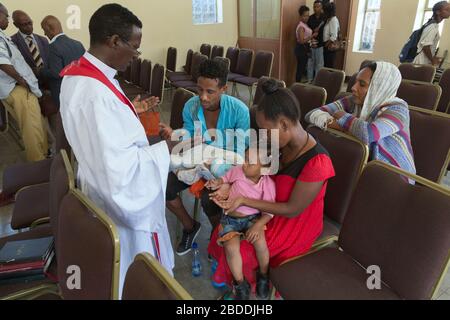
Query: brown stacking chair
{"points": [[243, 65], [180, 98], [147, 279], [19, 176], [342, 95], [349, 157], [143, 88], [262, 67], [420, 94], [182, 75], [197, 60], [226, 61], [351, 82], [233, 55], [171, 60], [205, 49], [61, 181], [417, 72], [127, 74], [217, 51], [400, 228], [310, 97], [96, 253], [330, 79], [430, 132], [444, 83], [157, 84]]}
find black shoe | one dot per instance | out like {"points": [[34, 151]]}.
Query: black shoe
{"points": [[188, 239], [241, 291], [262, 286]]}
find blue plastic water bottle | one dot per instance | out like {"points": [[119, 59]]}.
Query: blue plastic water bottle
{"points": [[196, 264]]}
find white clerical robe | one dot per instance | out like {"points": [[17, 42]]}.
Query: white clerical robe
{"points": [[118, 169]]}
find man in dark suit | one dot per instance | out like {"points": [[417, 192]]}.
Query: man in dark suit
{"points": [[62, 51], [34, 48]]}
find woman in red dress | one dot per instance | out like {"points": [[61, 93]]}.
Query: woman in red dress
{"points": [[301, 183]]}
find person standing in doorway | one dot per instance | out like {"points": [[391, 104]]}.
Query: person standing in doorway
{"points": [[317, 23], [330, 34]]}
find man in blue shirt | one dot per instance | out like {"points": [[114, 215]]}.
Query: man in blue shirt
{"points": [[211, 109]]}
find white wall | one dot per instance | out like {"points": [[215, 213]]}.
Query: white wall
{"points": [[166, 23]]}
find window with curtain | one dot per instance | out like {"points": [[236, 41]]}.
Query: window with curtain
{"points": [[371, 16], [207, 11]]}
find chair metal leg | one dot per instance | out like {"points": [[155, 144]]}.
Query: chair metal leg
{"points": [[250, 91]]}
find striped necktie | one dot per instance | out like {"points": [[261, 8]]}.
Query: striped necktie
{"points": [[34, 52]]}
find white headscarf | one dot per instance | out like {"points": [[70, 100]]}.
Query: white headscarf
{"points": [[382, 92], [383, 89]]}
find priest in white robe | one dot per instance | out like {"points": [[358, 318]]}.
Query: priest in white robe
{"points": [[118, 169]]}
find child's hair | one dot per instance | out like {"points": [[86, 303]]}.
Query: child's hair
{"points": [[278, 101]]}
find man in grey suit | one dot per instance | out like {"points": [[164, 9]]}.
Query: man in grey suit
{"points": [[62, 51], [33, 47]]}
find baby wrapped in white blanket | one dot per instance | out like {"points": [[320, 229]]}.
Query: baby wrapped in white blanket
{"points": [[203, 162]]}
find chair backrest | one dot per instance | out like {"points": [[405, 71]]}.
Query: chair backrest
{"points": [[400, 228], [244, 62], [197, 60], [179, 100], [420, 94], [233, 54], [127, 74], [349, 158], [342, 95], [262, 66], [147, 279], [187, 66], [136, 71], [259, 92], [417, 72], [351, 82], [62, 180], [226, 61], [205, 49], [61, 142], [3, 118], [96, 253], [157, 85], [444, 83], [146, 75], [171, 60], [217, 51], [330, 79], [309, 97], [430, 132]]}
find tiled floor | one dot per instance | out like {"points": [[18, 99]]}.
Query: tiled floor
{"points": [[199, 288]]}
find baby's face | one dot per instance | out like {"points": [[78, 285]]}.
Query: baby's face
{"points": [[252, 166]]}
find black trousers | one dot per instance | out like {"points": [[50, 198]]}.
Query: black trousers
{"points": [[329, 57], [175, 186], [301, 52]]}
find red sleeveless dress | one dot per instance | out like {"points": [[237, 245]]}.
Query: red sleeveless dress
{"points": [[286, 238]]}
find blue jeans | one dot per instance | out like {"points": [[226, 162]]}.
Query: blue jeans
{"points": [[315, 63], [240, 225]]}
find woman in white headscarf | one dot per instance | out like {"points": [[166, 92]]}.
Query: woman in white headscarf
{"points": [[374, 115]]}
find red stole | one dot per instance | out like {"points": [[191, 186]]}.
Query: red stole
{"points": [[85, 68]]}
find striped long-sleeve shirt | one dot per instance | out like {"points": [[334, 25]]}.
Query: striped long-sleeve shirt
{"points": [[386, 131]]}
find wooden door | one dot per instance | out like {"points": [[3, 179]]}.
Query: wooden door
{"points": [[343, 13]]}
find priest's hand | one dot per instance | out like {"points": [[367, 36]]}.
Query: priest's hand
{"points": [[145, 105]]}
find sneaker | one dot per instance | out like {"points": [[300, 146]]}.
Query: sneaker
{"points": [[6, 200], [188, 239], [262, 286]]}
